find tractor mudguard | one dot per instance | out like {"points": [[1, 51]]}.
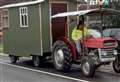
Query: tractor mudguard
{"points": [[70, 45]]}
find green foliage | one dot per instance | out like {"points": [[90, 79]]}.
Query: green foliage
{"points": [[114, 20]]}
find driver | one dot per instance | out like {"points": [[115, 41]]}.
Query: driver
{"points": [[77, 34]]}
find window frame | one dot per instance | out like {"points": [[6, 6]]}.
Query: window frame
{"points": [[4, 16], [23, 12]]}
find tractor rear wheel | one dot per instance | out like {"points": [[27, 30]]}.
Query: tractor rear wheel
{"points": [[88, 67], [61, 56], [116, 65]]}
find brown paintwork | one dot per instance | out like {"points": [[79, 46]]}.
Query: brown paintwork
{"points": [[59, 25]]}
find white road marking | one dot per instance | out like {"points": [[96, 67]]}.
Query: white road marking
{"points": [[44, 72], [2, 54]]}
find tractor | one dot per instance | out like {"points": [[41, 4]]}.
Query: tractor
{"points": [[95, 51]]}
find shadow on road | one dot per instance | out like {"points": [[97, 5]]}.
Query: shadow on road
{"points": [[74, 72]]}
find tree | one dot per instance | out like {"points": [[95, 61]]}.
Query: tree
{"points": [[115, 20]]}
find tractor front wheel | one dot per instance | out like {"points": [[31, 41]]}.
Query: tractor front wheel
{"points": [[88, 67], [116, 65], [61, 56]]}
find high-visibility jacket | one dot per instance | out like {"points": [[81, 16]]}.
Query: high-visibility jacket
{"points": [[77, 34]]}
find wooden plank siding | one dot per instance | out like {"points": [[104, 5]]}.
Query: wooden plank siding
{"points": [[23, 41], [27, 41]]}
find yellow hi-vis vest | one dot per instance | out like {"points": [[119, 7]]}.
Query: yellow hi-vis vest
{"points": [[77, 34]]}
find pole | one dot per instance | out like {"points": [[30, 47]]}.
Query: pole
{"points": [[83, 50], [88, 7]]}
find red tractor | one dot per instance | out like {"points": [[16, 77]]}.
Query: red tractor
{"points": [[96, 51]]}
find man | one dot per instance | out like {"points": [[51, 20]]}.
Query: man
{"points": [[77, 34]]}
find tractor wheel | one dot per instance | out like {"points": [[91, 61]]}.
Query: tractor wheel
{"points": [[116, 65], [88, 67], [61, 56], [13, 59]]}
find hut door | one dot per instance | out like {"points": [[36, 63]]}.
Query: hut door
{"points": [[59, 25]]}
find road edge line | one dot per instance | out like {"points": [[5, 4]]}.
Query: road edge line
{"points": [[48, 73]]}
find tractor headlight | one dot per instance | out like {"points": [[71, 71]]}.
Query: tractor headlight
{"points": [[104, 53], [115, 52]]}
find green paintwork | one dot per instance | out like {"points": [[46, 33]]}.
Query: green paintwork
{"points": [[45, 13], [23, 41]]}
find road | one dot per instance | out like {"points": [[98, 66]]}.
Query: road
{"points": [[24, 71]]}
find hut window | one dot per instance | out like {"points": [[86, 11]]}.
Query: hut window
{"points": [[23, 16], [5, 20]]}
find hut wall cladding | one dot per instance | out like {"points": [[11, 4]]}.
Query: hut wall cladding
{"points": [[26, 40]]}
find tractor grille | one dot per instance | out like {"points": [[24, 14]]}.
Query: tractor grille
{"points": [[109, 43], [107, 53]]}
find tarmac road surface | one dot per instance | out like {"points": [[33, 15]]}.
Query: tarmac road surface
{"points": [[23, 71]]}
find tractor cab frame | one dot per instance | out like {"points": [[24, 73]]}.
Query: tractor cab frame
{"points": [[96, 51]]}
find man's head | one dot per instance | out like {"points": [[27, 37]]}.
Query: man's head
{"points": [[80, 24]]}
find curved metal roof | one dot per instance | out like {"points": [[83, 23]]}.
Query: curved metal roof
{"points": [[21, 4], [87, 12]]}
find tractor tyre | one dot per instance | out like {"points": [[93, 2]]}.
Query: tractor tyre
{"points": [[116, 65], [88, 67], [61, 56], [13, 59]]}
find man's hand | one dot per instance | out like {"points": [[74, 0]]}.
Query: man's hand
{"points": [[87, 37]]}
